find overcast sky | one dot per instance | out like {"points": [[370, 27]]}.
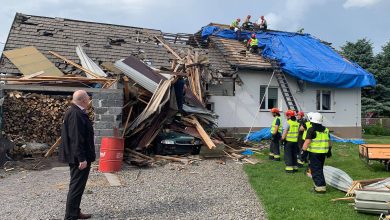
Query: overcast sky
{"points": [[335, 21]]}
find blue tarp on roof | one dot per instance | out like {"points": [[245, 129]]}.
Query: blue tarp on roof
{"points": [[304, 57]]}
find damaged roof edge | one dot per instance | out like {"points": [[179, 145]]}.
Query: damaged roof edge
{"points": [[249, 67], [9, 33]]}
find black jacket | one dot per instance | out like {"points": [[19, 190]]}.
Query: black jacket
{"points": [[77, 137]]}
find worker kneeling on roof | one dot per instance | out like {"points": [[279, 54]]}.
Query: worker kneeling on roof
{"points": [[253, 44], [318, 145], [290, 135], [276, 131]]}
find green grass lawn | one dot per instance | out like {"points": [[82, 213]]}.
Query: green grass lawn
{"points": [[288, 196]]}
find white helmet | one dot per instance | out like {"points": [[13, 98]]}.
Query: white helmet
{"points": [[309, 115], [316, 118]]}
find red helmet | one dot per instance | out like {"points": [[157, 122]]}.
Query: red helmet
{"points": [[275, 110], [301, 113], [253, 35], [290, 113]]}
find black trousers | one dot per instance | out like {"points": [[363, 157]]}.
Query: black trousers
{"points": [[316, 165], [78, 180], [275, 145], [290, 154]]}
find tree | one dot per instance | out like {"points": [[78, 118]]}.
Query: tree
{"points": [[360, 52], [374, 100]]}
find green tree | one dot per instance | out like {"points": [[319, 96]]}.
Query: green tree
{"points": [[374, 100]]}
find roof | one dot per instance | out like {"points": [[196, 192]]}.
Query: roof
{"points": [[102, 43], [237, 55]]}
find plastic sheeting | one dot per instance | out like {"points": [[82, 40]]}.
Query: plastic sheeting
{"points": [[304, 57], [340, 140], [264, 133]]}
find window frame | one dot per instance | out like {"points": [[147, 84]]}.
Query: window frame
{"points": [[331, 96], [266, 106]]}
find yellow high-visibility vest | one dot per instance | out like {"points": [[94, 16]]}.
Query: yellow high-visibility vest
{"points": [[274, 125], [292, 135], [320, 144], [254, 42], [308, 125]]}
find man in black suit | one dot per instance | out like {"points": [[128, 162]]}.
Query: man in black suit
{"points": [[78, 150]]}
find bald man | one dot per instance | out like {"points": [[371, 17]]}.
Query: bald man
{"points": [[78, 150]]}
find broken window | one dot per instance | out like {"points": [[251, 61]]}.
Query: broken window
{"points": [[271, 97], [323, 100]]}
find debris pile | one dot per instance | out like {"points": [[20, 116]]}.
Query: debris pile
{"points": [[370, 196]]}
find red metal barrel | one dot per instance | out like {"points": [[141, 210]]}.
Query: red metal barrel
{"points": [[111, 154]]}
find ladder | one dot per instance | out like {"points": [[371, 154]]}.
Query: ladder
{"points": [[284, 87]]}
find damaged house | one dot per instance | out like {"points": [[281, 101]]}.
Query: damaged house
{"points": [[235, 80]]}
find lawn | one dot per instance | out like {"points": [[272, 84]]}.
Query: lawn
{"points": [[288, 196]]}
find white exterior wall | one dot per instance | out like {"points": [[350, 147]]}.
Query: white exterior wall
{"points": [[239, 111]]}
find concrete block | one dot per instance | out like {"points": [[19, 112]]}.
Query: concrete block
{"points": [[108, 118], [111, 103], [101, 110], [97, 117], [115, 110], [103, 125], [98, 140], [96, 103], [106, 132], [115, 96]]}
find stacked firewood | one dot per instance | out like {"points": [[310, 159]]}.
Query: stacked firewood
{"points": [[31, 117]]}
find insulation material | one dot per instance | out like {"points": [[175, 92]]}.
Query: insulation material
{"points": [[87, 63], [337, 178], [381, 185], [29, 61]]}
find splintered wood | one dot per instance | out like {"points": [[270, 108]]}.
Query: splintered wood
{"points": [[33, 117]]}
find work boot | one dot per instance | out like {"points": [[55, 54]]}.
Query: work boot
{"points": [[84, 216], [319, 190], [276, 158]]}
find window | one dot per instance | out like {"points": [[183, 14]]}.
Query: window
{"points": [[271, 97], [323, 100]]}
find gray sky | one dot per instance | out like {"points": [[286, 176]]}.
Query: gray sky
{"points": [[335, 21]]}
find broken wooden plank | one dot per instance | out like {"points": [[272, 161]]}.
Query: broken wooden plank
{"points": [[33, 75], [139, 154], [175, 159], [205, 137], [127, 122], [74, 64], [53, 147], [169, 48]]}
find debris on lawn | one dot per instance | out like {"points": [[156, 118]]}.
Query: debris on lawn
{"points": [[370, 196], [337, 178]]}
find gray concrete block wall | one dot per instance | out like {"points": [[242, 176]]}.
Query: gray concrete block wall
{"points": [[108, 113]]}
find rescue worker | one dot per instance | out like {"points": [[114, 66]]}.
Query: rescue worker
{"points": [[253, 44], [306, 124], [247, 25], [318, 145], [235, 26], [290, 135], [262, 23], [180, 90], [276, 132]]}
